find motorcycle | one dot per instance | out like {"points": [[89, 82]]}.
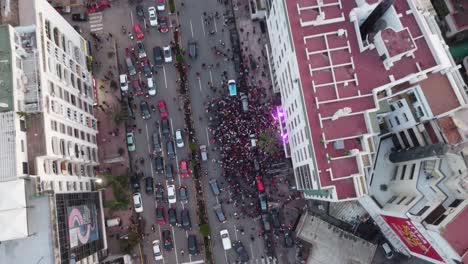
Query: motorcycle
{"points": [[124, 30], [153, 108], [130, 35]]}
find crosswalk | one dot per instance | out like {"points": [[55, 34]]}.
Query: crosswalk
{"points": [[95, 22]]}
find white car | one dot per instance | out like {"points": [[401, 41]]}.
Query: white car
{"points": [[167, 54], [178, 138], [151, 86], [171, 194], [157, 250], [225, 239], [137, 202], [123, 82], [160, 5], [153, 16], [131, 142]]}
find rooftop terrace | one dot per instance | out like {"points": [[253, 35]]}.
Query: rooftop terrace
{"points": [[338, 80]]}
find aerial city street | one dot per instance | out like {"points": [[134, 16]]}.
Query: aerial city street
{"points": [[234, 131]]}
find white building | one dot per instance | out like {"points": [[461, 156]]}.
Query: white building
{"points": [[355, 74], [48, 145]]}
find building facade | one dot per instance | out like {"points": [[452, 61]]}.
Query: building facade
{"points": [[373, 109], [49, 141]]}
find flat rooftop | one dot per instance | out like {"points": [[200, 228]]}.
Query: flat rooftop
{"points": [[338, 80], [460, 13], [326, 239], [455, 236]]}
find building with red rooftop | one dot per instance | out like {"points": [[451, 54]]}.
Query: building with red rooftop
{"points": [[372, 106]]}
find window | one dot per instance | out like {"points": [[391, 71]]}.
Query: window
{"points": [[397, 120], [22, 125], [62, 128], [400, 104], [25, 168], [413, 166], [401, 200], [73, 100], [405, 117], [22, 145], [76, 133], [390, 123], [394, 197], [53, 125], [392, 108], [403, 171], [410, 201]]}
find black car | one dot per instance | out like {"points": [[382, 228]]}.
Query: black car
{"points": [[165, 127], [159, 193], [80, 17], [135, 183], [219, 213], [145, 110], [185, 219], [158, 56], [275, 217], [149, 187], [167, 239], [192, 49], [241, 251], [140, 12], [146, 68], [214, 187], [159, 164], [266, 222], [192, 245], [262, 199], [183, 194], [170, 149], [169, 172], [288, 239], [172, 213], [157, 143]]}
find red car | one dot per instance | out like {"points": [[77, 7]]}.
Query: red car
{"points": [[138, 32], [260, 185], [162, 108], [163, 25], [184, 172], [160, 217]]}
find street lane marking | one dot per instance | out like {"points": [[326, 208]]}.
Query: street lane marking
{"points": [[175, 245], [199, 84], [203, 26], [131, 17], [165, 79], [225, 256], [217, 200], [211, 78], [216, 28], [235, 232], [191, 27], [251, 251], [147, 138], [194, 262], [207, 136]]}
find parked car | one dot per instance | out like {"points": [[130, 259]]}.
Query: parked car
{"points": [[146, 68], [145, 110], [288, 238], [232, 87], [241, 251], [138, 32], [159, 192], [130, 67], [80, 17], [136, 87], [214, 187], [259, 183], [275, 217], [192, 245], [244, 102], [266, 222], [165, 129], [156, 143], [171, 194], [172, 215], [192, 49], [123, 82], [167, 238], [157, 250], [184, 171], [131, 142], [159, 164], [387, 250], [167, 54], [160, 217], [158, 56], [152, 16], [179, 139], [169, 172], [262, 199], [135, 183], [152, 91], [140, 12], [219, 213], [225, 239], [149, 187], [137, 202], [185, 219], [183, 194], [141, 50], [160, 5], [163, 28], [170, 149], [162, 109], [203, 153]]}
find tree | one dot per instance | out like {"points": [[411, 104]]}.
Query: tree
{"points": [[269, 141], [119, 115], [113, 85], [127, 245]]}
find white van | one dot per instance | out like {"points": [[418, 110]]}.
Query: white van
{"points": [[113, 222], [253, 141], [151, 86], [123, 82], [225, 239], [204, 154]]}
